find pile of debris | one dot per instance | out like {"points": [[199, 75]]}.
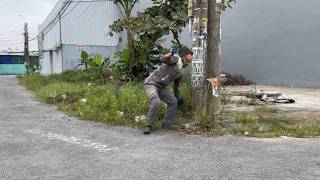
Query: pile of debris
{"points": [[273, 97]]}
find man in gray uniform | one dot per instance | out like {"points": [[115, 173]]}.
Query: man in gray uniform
{"points": [[155, 86]]}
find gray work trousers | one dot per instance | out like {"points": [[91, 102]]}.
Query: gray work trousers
{"points": [[156, 95]]}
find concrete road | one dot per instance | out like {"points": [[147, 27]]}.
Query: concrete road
{"points": [[39, 142]]}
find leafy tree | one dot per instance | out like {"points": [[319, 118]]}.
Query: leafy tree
{"points": [[126, 7], [171, 16], [163, 18]]}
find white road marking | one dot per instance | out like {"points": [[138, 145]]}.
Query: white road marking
{"points": [[85, 143]]}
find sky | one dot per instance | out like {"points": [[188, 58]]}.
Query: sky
{"points": [[13, 15]]}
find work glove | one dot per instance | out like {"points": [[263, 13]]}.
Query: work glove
{"points": [[173, 51]]}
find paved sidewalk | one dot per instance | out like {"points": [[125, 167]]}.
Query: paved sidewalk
{"points": [[39, 142]]}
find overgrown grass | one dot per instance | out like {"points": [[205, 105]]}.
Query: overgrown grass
{"points": [[262, 122], [80, 94]]}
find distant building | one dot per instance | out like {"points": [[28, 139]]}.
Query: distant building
{"points": [[13, 62], [73, 26]]}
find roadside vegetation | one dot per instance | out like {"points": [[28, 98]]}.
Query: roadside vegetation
{"points": [[82, 94], [110, 89], [117, 102]]}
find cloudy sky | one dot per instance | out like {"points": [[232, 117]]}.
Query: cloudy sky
{"points": [[13, 14]]}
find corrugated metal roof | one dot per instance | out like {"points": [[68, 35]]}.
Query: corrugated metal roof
{"points": [[54, 12], [82, 23], [89, 23]]}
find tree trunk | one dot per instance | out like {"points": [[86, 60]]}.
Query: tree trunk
{"points": [[212, 104], [131, 48], [206, 58], [199, 50]]}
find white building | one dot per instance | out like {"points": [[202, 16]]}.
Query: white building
{"points": [[73, 26]]}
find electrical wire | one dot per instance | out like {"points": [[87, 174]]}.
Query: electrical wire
{"points": [[82, 13], [71, 9], [60, 15], [33, 38], [52, 24], [55, 19]]}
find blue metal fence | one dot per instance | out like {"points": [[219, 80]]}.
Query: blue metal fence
{"points": [[11, 64]]}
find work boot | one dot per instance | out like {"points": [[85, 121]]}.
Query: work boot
{"points": [[147, 130]]}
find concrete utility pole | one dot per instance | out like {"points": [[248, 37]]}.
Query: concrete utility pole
{"points": [[206, 61], [26, 48]]}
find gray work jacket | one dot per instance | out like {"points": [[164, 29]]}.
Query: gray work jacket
{"points": [[169, 71]]}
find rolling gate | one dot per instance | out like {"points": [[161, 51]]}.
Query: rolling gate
{"points": [[14, 64]]}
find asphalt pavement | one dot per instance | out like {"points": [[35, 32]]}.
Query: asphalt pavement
{"points": [[39, 142]]}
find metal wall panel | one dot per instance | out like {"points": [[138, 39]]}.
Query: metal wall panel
{"points": [[72, 55], [51, 15], [45, 64], [273, 42], [88, 24], [84, 23], [50, 34], [57, 62], [51, 39], [51, 65]]}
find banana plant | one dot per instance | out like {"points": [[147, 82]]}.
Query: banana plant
{"points": [[97, 63]]}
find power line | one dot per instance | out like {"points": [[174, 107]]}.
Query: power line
{"points": [[33, 38], [71, 9], [55, 19], [82, 13]]}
